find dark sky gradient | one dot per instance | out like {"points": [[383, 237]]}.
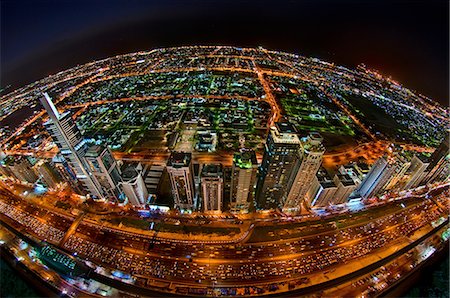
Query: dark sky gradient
{"points": [[408, 40]]}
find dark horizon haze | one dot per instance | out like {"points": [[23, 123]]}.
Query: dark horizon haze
{"points": [[407, 40]]}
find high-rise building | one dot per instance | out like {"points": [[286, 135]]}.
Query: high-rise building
{"points": [[402, 163], [133, 186], [326, 190], [313, 150], [378, 177], [416, 171], [345, 187], [281, 156], [179, 168], [72, 147], [47, 173], [243, 180], [104, 169], [212, 187], [439, 167], [21, 168], [152, 175]]}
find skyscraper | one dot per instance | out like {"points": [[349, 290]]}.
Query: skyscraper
{"points": [[47, 173], [378, 177], [133, 186], [104, 169], [212, 187], [325, 190], [281, 155], [439, 167], [21, 168], [179, 168], [416, 171], [312, 153], [243, 180], [72, 147], [345, 187]]}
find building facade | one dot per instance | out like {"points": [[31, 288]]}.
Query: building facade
{"points": [[243, 180], [179, 168], [71, 144], [212, 187], [281, 156], [312, 154]]}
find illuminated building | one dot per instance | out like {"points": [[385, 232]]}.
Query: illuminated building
{"points": [[179, 168], [21, 168], [212, 187], [281, 155], [243, 180], [133, 186], [402, 164], [378, 177], [104, 169], [152, 176], [416, 171], [47, 173], [439, 167], [345, 187], [325, 191], [72, 147], [311, 159]]}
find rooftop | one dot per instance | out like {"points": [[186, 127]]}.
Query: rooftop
{"points": [[212, 170], [245, 159], [94, 151], [179, 159]]}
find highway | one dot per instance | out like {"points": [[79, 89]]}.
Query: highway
{"points": [[301, 254]]}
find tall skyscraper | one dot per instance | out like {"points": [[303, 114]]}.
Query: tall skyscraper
{"points": [[179, 168], [439, 167], [72, 147], [402, 163], [46, 172], [281, 155], [243, 180], [133, 186], [325, 191], [21, 168], [312, 153], [104, 169], [416, 171], [378, 177], [345, 187], [212, 187]]}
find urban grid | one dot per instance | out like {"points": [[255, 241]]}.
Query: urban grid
{"points": [[222, 171]]}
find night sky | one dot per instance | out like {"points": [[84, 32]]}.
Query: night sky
{"points": [[408, 40]]}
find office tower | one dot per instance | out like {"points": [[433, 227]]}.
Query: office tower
{"points": [[179, 168], [133, 186], [416, 171], [212, 187], [47, 173], [104, 169], [152, 175], [378, 177], [439, 167], [243, 180], [326, 190], [72, 147], [345, 187], [5, 171], [21, 168], [281, 155], [313, 151], [402, 163]]}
